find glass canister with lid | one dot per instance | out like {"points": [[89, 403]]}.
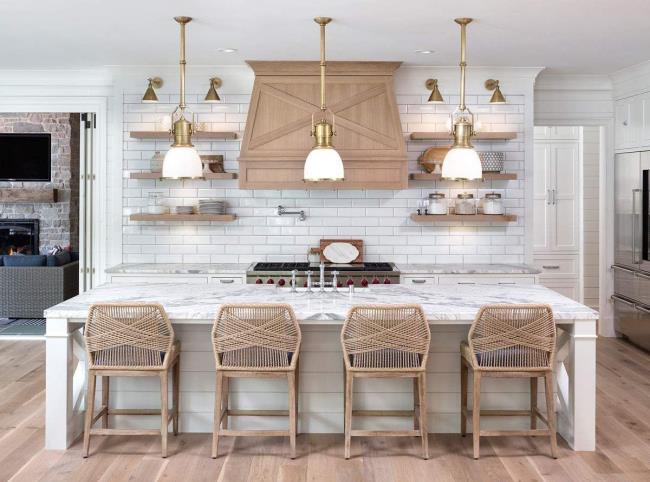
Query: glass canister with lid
{"points": [[437, 203], [465, 204], [492, 203]]}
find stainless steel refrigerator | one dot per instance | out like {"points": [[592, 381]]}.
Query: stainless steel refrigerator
{"points": [[632, 247]]}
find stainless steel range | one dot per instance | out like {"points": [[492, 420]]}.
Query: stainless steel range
{"points": [[361, 275]]}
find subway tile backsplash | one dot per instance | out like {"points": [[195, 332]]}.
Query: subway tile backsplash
{"points": [[379, 217]]}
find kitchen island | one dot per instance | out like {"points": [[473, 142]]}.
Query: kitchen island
{"points": [[449, 309]]}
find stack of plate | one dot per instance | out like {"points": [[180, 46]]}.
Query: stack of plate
{"points": [[212, 206], [183, 209]]}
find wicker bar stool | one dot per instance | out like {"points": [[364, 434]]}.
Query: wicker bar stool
{"points": [[130, 340], [386, 341], [255, 341], [510, 341]]}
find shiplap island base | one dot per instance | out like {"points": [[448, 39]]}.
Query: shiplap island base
{"points": [[449, 309]]}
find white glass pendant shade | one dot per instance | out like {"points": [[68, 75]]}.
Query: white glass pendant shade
{"points": [[182, 162], [323, 164], [462, 163]]}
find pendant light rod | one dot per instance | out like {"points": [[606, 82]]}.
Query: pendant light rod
{"points": [[463, 46], [182, 21], [322, 21]]}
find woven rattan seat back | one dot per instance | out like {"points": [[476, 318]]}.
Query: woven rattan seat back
{"points": [[127, 336], [385, 337], [513, 336], [257, 337]]}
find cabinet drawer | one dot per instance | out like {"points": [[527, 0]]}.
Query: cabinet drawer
{"points": [[564, 286], [229, 280], [418, 280], [557, 266], [492, 280], [159, 279]]}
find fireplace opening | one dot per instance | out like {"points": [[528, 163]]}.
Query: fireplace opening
{"points": [[18, 236]]}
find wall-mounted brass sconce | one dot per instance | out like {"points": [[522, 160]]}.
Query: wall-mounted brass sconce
{"points": [[150, 94], [497, 96], [436, 96], [212, 95]]}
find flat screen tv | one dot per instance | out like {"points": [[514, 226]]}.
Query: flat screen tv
{"points": [[25, 157]]}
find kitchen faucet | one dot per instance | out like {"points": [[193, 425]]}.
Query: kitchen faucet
{"points": [[293, 280]]}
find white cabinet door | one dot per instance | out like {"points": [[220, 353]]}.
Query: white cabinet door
{"points": [[644, 133], [630, 122], [569, 133], [622, 124], [566, 189], [556, 200], [542, 208]]}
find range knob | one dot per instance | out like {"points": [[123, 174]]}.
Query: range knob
{"points": [[364, 282], [387, 281], [270, 281], [281, 282], [375, 281], [339, 284], [258, 281], [304, 285], [349, 282]]}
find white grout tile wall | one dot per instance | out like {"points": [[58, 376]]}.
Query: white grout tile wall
{"points": [[379, 217]]}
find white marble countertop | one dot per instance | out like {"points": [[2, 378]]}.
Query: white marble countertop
{"points": [[186, 301], [240, 268], [179, 268], [467, 269]]}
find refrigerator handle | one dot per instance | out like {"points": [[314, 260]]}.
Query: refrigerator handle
{"points": [[635, 259], [622, 300], [641, 308]]}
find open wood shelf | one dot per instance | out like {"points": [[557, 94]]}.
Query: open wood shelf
{"points": [[475, 218], [182, 217], [487, 176], [207, 176], [481, 136], [20, 195], [195, 135]]}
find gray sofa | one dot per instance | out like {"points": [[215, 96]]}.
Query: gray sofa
{"points": [[25, 292]]}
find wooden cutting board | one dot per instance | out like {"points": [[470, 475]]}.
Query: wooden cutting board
{"points": [[357, 243]]}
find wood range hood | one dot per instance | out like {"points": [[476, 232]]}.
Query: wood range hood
{"points": [[369, 134]]}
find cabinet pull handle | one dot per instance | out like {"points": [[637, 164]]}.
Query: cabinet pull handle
{"points": [[418, 281], [551, 266], [625, 123], [634, 226], [506, 283], [466, 282], [226, 281]]}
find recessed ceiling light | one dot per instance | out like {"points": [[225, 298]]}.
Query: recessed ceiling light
{"points": [[424, 51], [227, 50]]}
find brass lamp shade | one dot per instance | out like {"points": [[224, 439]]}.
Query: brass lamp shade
{"points": [[436, 96], [150, 94], [497, 96], [213, 95]]}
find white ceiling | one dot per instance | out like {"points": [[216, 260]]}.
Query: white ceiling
{"points": [[567, 36]]}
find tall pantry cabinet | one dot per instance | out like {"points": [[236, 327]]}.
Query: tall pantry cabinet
{"points": [[557, 208]]}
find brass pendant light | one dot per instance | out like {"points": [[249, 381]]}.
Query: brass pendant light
{"points": [[323, 162], [462, 161], [182, 160]]}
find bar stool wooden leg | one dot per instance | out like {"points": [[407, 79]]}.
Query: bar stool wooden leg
{"points": [[464, 372], [224, 401], [416, 404], [164, 412], [533, 403], [550, 413], [422, 389], [476, 415], [105, 395], [216, 426], [291, 381], [176, 372], [90, 404], [348, 412]]}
